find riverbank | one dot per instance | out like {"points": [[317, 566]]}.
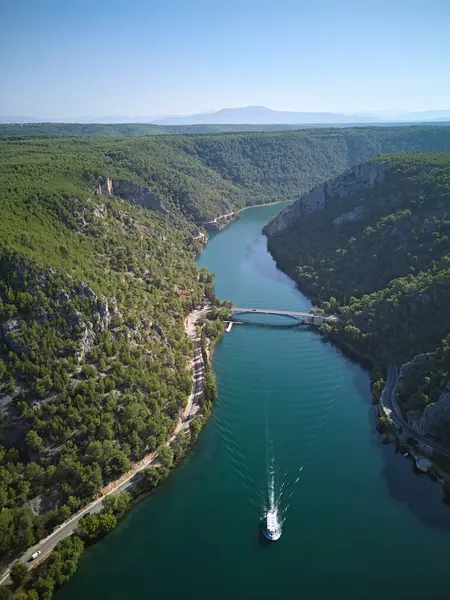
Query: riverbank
{"points": [[391, 424], [287, 400], [374, 361], [213, 226], [261, 205], [132, 477], [410, 440]]}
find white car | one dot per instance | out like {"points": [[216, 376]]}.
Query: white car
{"points": [[35, 554]]}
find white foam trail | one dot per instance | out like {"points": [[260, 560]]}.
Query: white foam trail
{"points": [[297, 480]]}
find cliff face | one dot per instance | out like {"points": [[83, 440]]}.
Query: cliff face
{"points": [[357, 180], [436, 417], [373, 245], [134, 193]]}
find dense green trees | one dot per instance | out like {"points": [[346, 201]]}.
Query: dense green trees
{"points": [[93, 353], [57, 569], [94, 291], [117, 503], [201, 176], [5, 594], [18, 574], [387, 272], [124, 129], [154, 475], [95, 526]]}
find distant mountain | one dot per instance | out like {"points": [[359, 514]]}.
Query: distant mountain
{"points": [[427, 115], [260, 115], [255, 115]]}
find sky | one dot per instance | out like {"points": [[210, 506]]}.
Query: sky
{"points": [[74, 58]]}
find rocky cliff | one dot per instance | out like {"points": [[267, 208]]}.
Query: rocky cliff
{"points": [[126, 190], [354, 181], [373, 245], [435, 420]]}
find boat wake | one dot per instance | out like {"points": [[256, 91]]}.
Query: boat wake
{"points": [[273, 526], [275, 509]]}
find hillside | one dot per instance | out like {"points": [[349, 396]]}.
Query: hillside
{"points": [[32, 129], [98, 238], [373, 246], [201, 177], [93, 354]]}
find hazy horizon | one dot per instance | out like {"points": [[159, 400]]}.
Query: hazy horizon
{"points": [[78, 59], [215, 117]]}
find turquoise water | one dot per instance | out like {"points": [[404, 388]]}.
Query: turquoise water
{"points": [[293, 412]]}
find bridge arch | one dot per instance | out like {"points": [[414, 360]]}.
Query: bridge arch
{"points": [[295, 316]]}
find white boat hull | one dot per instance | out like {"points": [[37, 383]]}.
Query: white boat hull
{"points": [[272, 529]]}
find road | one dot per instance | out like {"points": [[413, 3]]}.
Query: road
{"points": [[389, 402], [231, 214], [134, 475]]}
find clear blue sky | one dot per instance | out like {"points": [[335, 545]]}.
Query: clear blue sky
{"points": [[70, 58]]}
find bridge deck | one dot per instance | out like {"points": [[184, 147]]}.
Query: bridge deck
{"points": [[268, 311]]}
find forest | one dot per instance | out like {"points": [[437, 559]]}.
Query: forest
{"points": [[94, 288], [93, 353], [25, 130], [380, 260], [203, 176]]}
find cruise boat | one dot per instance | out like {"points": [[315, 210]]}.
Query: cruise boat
{"points": [[272, 527]]}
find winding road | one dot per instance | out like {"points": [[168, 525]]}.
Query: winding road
{"points": [[389, 402], [130, 478]]}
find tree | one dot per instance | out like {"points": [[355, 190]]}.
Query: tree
{"points": [[154, 475], [5, 594], [120, 462], [93, 527], [166, 456], [107, 522], [34, 441], [18, 573], [88, 527], [45, 586], [116, 503], [16, 529]]}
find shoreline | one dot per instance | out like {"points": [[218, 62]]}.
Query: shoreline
{"points": [[205, 351], [126, 479], [235, 217], [260, 205], [400, 443]]}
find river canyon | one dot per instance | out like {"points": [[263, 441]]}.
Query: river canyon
{"points": [[295, 412]]}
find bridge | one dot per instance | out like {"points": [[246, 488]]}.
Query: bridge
{"points": [[303, 317]]}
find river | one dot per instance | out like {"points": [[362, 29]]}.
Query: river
{"points": [[293, 412]]}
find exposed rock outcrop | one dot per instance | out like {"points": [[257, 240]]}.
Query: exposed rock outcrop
{"points": [[353, 182], [412, 369], [100, 211], [103, 186], [352, 215], [86, 342], [137, 194], [12, 335], [436, 416]]}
